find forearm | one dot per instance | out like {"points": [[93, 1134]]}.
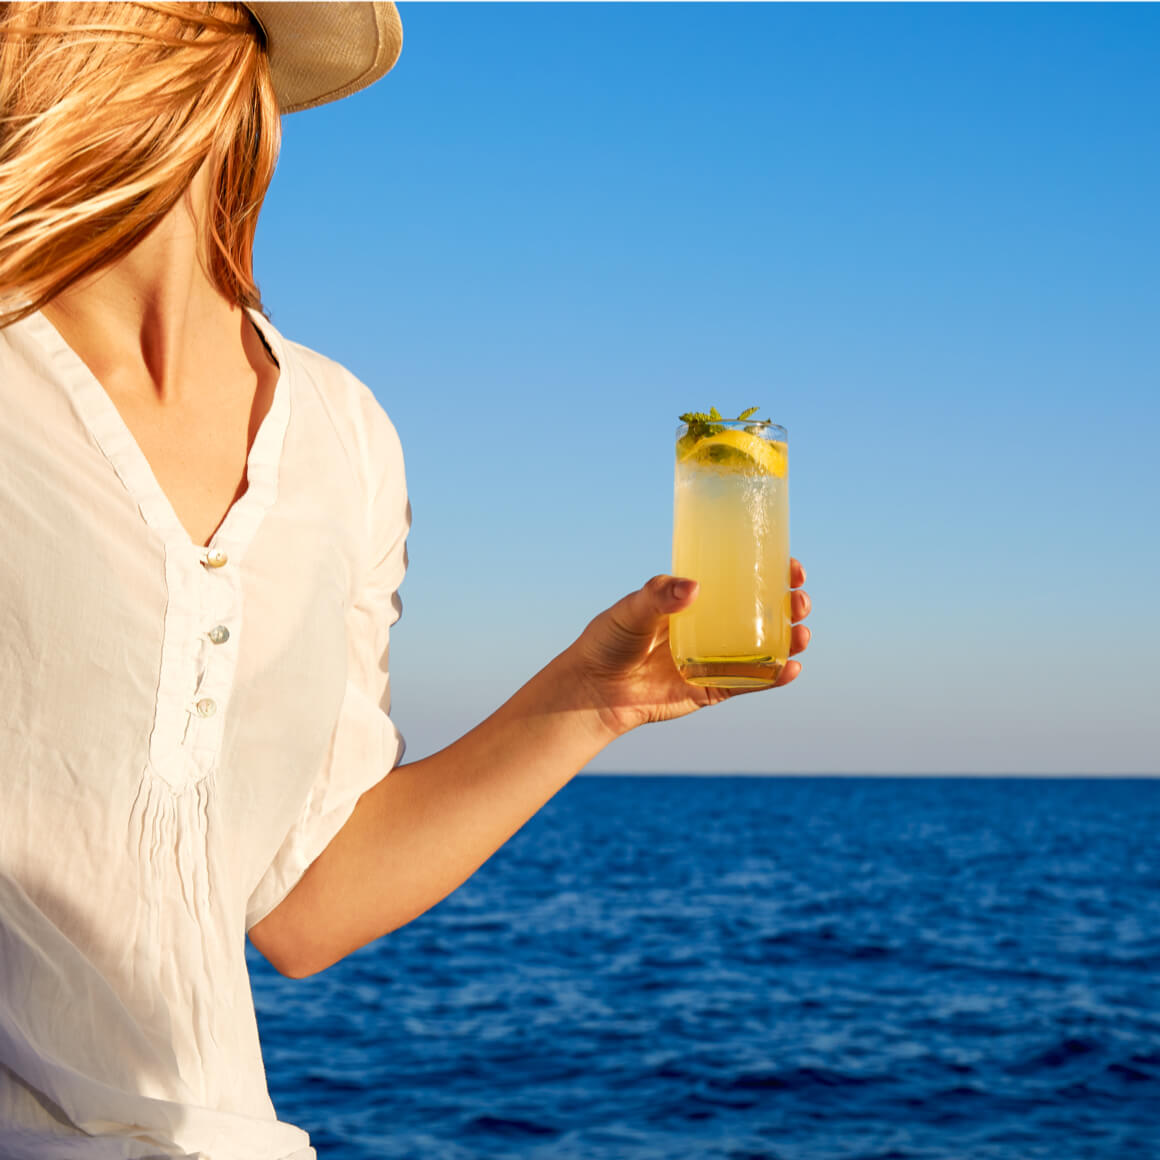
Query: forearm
{"points": [[418, 834], [428, 826]]}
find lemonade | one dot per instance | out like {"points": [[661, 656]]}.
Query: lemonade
{"points": [[731, 534]]}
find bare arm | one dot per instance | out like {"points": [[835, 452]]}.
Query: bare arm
{"points": [[422, 831]]}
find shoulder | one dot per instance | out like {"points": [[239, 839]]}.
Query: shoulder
{"points": [[342, 401], [371, 444]]}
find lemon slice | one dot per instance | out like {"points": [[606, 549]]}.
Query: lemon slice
{"points": [[741, 451]]}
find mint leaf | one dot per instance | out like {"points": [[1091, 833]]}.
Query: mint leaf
{"points": [[702, 425]]}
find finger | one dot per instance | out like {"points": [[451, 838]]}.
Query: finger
{"points": [[799, 639], [797, 574], [799, 605]]}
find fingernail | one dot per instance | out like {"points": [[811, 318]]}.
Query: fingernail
{"points": [[682, 589]]}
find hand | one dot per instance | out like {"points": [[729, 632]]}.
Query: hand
{"points": [[625, 660]]}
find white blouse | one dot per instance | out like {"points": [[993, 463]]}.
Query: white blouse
{"points": [[183, 731]]}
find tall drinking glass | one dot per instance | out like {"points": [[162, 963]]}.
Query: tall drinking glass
{"points": [[731, 534]]}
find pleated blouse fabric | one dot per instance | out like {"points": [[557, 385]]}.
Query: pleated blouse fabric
{"points": [[183, 729]]}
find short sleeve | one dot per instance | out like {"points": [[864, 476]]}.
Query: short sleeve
{"points": [[365, 745]]}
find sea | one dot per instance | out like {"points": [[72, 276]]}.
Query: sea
{"points": [[758, 968]]}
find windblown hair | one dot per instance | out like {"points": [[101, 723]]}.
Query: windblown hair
{"points": [[107, 111]]}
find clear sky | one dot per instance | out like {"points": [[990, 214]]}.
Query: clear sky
{"points": [[924, 238]]}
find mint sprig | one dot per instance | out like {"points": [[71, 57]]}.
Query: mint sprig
{"points": [[701, 425]]}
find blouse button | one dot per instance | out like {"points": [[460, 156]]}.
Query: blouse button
{"points": [[219, 634], [206, 707], [215, 558]]}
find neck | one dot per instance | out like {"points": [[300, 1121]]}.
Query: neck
{"points": [[143, 324]]}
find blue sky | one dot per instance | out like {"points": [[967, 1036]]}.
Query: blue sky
{"points": [[924, 238]]}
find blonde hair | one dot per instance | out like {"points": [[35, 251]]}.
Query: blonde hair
{"points": [[107, 112]]}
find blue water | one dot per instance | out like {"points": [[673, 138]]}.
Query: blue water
{"points": [[744, 968]]}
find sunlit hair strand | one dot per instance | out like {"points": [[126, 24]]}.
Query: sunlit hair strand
{"points": [[107, 112]]}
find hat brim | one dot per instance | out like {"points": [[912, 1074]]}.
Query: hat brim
{"points": [[324, 51]]}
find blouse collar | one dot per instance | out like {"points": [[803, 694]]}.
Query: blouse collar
{"points": [[103, 421]]}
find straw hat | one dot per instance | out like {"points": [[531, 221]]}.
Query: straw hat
{"points": [[320, 52]]}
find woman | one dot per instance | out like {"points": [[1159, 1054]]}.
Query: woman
{"points": [[204, 530]]}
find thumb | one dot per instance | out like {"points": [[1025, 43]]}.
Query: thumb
{"points": [[643, 611], [625, 634]]}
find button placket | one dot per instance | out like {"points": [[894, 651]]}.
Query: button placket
{"points": [[219, 603], [217, 608]]}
